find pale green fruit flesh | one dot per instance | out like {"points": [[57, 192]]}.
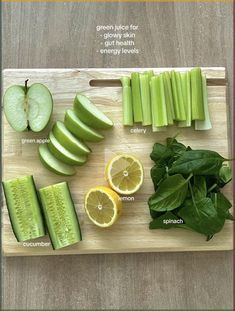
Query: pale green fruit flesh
{"points": [[63, 154], [31, 110], [53, 164], [68, 140], [79, 129], [90, 114]]}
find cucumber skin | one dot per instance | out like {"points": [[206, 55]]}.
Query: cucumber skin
{"points": [[54, 246], [42, 220]]}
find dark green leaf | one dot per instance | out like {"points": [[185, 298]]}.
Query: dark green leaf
{"points": [[160, 152], [225, 175], [170, 194], [155, 214], [201, 216], [175, 146], [222, 204], [198, 162], [157, 174], [166, 221], [199, 187]]}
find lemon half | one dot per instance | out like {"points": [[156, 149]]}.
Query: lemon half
{"points": [[125, 174], [103, 206]]}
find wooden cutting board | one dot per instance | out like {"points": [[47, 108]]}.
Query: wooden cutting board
{"points": [[130, 233]]}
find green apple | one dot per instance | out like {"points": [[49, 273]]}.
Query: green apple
{"points": [[90, 114], [80, 129], [68, 140], [63, 154], [28, 107], [53, 164]]}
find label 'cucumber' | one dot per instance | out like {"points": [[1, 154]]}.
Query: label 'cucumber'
{"points": [[60, 215], [23, 208]]}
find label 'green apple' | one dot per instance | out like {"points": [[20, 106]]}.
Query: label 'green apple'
{"points": [[28, 107]]}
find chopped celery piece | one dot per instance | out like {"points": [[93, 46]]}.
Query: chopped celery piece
{"points": [[179, 107], [204, 124], [186, 89], [197, 97], [150, 74], [168, 92], [136, 97], [127, 112], [159, 129], [159, 114], [168, 100], [145, 99]]}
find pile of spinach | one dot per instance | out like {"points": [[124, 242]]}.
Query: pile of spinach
{"points": [[187, 187]]}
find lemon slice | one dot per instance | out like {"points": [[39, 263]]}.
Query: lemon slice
{"points": [[125, 174], [103, 206]]}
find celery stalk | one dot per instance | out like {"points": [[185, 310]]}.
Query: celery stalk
{"points": [[159, 114], [179, 107], [197, 97], [145, 99], [136, 97], [168, 100], [127, 110], [168, 91], [150, 74], [186, 90], [204, 124]]}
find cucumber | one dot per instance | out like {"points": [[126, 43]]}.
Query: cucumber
{"points": [[24, 209], [60, 215]]}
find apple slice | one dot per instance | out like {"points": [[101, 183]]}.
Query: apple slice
{"points": [[53, 164], [28, 107], [63, 154], [80, 129], [68, 140], [90, 114]]}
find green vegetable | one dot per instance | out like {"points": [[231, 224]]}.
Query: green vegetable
{"points": [[159, 113], [60, 215], [187, 182], [127, 102], [198, 162], [186, 91], [201, 216], [197, 95], [23, 208], [145, 99], [206, 123], [136, 97], [170, 194], [169, 97], [179, 106]]}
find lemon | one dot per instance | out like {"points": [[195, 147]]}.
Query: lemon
{"points": [[103, 206], [125, 174]]}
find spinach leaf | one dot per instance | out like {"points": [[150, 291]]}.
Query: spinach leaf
{"points": [[160, 152], [201, 216], [225, 175], [166, 221], [176, 147], [222, 204], [155, 214], [199, 187], [170, 194], [198, 162], [158, 172]]}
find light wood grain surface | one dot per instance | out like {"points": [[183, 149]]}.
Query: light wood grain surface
{"points": [[131, 232], [63, 35]]}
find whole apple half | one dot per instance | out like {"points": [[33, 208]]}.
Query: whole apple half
{"points": [[28, 108]]}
